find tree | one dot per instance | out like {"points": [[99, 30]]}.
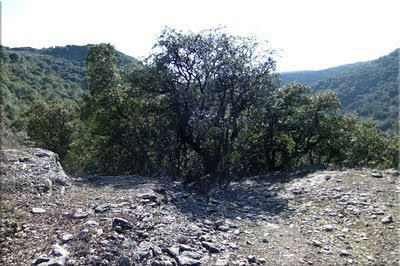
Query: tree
{"points": [[116, 132], [208, 80], [287, 129], [50, 125]]}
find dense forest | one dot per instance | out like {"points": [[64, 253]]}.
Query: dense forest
{"points": [[30, 75], [205, 103], [368, 89]]}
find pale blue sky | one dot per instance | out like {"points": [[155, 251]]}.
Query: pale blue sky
{"points": [[308, 34]]}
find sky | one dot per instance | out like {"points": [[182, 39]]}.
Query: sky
{"points": [[306, 34]]}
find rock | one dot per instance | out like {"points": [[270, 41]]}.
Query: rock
{"points": [[56, 262], [59, 251], [92, 223], [251, 259], [316, 243], [173, 251], [327, 228], [193, 255], [261, 261], [219, 223], [39, 260], [38, 210], [222, 262], [223, 228], [344, 253], [185, 248], [42, 154], [120, 223], [186, 261], [210, 247], [66, 237], [80, 214], [124, 261], [102, 208], [151, 196], [233, 245], [388, 219], [142, 251], [377, 175]]}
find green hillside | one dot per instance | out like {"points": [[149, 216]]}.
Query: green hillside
{"points": [[310, 76], [369, 89], [29, 75]]}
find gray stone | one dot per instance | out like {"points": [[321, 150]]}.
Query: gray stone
{"points": [[193, 255], [38, 210], [344, 253], [316, 243], [327, 228], [143, 251], [222, 262], [59, 251], [124, 261], [211, 247], [66, 237], [56, 262], [185, 248], [39, 260], [219, 223], [102, 208], [173, 251], [148, 196], [92, 223], [251, 259], [186, 261], [388, 219], [80, 214], [223, 228], [377, 175], [120, 223]]}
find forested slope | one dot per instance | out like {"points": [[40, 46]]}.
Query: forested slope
{"points": [[29, 75], [369, 89]]}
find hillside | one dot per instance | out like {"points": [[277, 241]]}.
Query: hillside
{"points": [[369, 89], [29, 75], [307, 217], [311, 76]]}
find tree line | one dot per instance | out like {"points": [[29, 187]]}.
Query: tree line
{"points": [[202, 103]]}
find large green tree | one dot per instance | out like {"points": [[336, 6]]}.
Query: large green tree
{"points": [[51, 125], [208, 80]]}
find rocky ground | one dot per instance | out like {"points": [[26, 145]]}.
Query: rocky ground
{"points": [[307, 217]]}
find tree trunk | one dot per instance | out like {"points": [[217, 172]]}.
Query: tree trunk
{"points": [[211, 164]]}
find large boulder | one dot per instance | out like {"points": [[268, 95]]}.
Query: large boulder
{"points": [[31, 170]]}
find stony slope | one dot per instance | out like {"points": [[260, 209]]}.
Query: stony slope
{"points": [[324, 217]]}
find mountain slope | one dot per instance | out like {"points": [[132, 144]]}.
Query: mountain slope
{"points": [[369, 89], [310, 76], [28, 75]]}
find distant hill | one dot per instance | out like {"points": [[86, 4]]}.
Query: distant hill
{"points": [[75, 53], [311, 76], [369, 89], [28, 75]]}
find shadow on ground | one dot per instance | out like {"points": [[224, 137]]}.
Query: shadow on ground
{"points": [[252, 198]]}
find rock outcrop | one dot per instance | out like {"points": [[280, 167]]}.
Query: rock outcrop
{"points": [[31, 170]]}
